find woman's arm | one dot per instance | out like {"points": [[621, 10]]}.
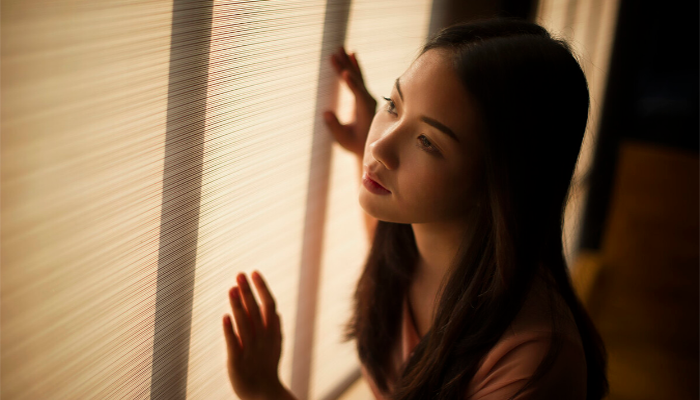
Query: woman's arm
{"points": [[370, 221]]}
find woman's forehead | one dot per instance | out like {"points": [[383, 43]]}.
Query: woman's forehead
{"points": [[431, 87]]}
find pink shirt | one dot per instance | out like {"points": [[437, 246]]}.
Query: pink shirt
{"points": [[515, 357]]}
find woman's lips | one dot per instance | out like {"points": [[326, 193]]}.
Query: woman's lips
{"points": [[373, 186]]}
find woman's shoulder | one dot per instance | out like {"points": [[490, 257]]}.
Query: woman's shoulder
{"points": [[516, 356], [515, 359]]}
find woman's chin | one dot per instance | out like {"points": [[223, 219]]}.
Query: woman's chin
{"points": [[367, 205], [380, 208], [373, 204]]}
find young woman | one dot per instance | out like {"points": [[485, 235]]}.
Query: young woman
{"points": [[465, 293]]}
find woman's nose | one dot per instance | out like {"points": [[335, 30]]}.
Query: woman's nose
{"points": [[386, 149]]}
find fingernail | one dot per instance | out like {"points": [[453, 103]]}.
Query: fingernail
{"points": [[234, 294], [244, 282]]}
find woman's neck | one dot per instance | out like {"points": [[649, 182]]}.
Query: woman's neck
{"points": [[437, 245]]}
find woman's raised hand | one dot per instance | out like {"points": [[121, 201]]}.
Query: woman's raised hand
{"points": [[352, 136], [254, 353]]}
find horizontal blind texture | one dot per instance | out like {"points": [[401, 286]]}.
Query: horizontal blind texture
{"points": [[151, 151], [84, 110], [260, 112], [386, 35]]}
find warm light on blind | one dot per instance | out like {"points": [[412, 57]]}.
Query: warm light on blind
{"points": [[84, 110], [261, 108], [151, 150]]}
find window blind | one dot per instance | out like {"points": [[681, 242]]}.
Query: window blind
{"points": [[84, 115], [151, 150]]}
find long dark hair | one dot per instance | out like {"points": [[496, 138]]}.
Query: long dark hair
{"points": [[534, 100]]}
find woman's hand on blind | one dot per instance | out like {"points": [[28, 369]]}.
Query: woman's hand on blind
{"points": [[254, 352], [352, 136]]}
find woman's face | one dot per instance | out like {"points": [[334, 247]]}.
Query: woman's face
{"points": [[431, 174]]}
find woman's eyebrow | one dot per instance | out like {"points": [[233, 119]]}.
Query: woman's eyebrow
{"points": [[398, 88], [430, 121]]}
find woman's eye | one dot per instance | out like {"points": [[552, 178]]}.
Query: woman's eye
{"points": [[390, 106], [426, 145]]}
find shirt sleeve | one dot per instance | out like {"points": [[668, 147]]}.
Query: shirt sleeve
{"points": [[510, 364]]}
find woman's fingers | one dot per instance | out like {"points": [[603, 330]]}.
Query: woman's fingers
{"points": [[357, 87], [353, 58], [344, 58], [341, 62], [232, 343], [241, 317], [250, 304], [334, 124], [348, 68], [268, 302]]}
